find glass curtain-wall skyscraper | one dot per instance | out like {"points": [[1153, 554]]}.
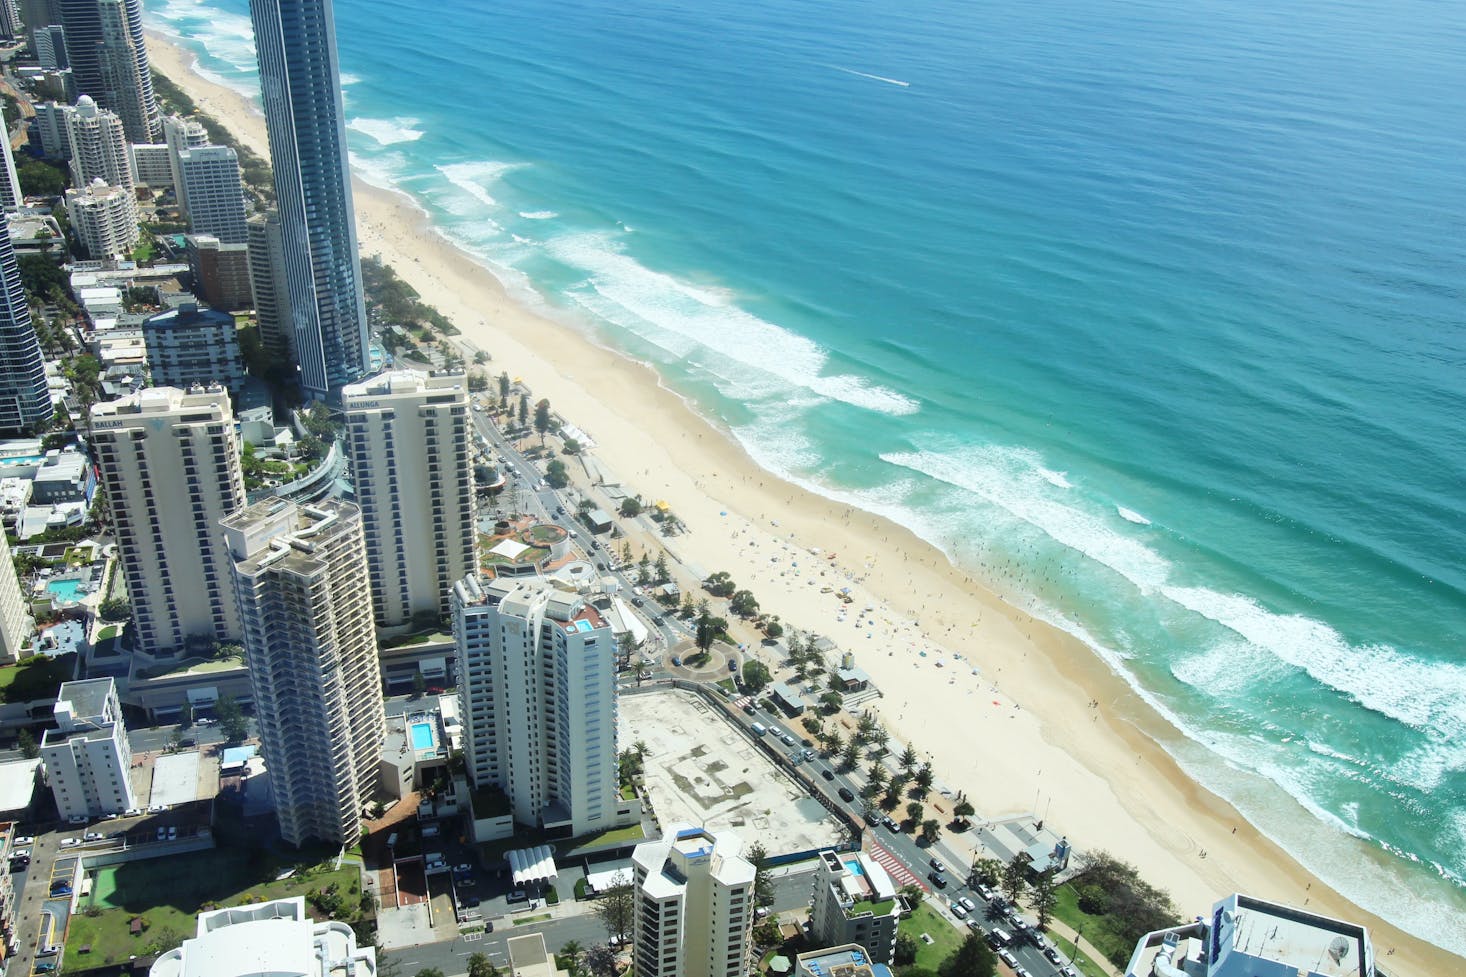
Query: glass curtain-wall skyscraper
{"points": [[25, 399], [300, 83]]}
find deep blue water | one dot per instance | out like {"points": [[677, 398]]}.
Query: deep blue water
{"points": [[1150, 313]]}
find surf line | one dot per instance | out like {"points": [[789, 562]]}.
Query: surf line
{"points": [[862, 74]]}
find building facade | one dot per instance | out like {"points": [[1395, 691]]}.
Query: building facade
{"points": [[99, 146], [407, 435], [854, 901], [170, 465], [152, 165], [537, 697], [301, 91], [305, 605], [50, 130], [220, 272], [694, 905], [189, 345], [101, 36], [50, 43], [16, 625], [87, 757], [278, 938], [268, 285], [180, 134], [25, 398], [211, 192], [11, 196], [104, 218]]}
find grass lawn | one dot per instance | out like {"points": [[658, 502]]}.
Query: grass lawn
{"points": [[1099, 932], [526, 920], [1084, 962], [169, 893], [946, 937], [39, 678]]}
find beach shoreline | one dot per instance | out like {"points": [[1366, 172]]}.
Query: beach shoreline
{"points": [[1046, 728]]}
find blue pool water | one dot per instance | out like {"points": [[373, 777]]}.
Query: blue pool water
{"points": [[853, 867], [65, 591], [1148, 314], [422, 736]]}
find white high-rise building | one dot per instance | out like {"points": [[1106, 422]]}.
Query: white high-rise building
{"points": [[99, 146], [50, 44], [170, 465], [179, 134], [88, 758], [104, 218], [408, 436], [305, 607], [694, 905], [122, 62], [267, 281], [51, 127], [16, 625], [25, 398], [213, 192], [11, 196], [537, 694], [277, 938]]}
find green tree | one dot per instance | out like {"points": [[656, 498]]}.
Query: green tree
{"points": [[555, 474], [600, 961], [1015, 877], [231, 719], [972, 959], [834, 742], [26, 741], [830, 704], [962, 813], [479, 965], [570, 953], [763, 884], [523, 409], [39, 179], [908, 761], [986, 870], [429, 972], [850, 756], [630, 507], [906, 949], [755, 675], [720, 584], [931, 830], [708, 630], [743, 603], [615, 907], [571, 446], [772, 627], [660, 572], [419, 685], [114, 609], [542, 419], [504, 386], [914, 811], [1044, 896], [924, 779], [876, 774]]}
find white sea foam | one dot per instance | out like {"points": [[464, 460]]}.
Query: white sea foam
{"points": [[1429, 696], [226, 37], [476, 178], [347, 78], [538, 215], [1007, 478], [651, 303], [1130, 515], [388, 132], [1056, 479]]}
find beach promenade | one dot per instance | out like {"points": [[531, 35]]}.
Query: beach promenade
{"points": [[1018, 715]]}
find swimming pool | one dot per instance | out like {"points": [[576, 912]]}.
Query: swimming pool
{"points": [[422, 736], [853, 867], [65, 591]]}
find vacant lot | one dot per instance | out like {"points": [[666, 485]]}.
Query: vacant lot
{"points": [[702, 770]]}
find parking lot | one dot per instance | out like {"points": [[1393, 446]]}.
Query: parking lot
{"points": [[701, 769]]}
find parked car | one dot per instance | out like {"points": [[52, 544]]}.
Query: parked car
{"points": [[48, 951], [937, 879], [157, 808], [24, 853], [92, 836], [70, 842], [936, 865], [60, 889], [1052, 955], [465, 867], [1007, 957], [958, 911], [827, 773], [21, 840], [967, 904], [872, 817], [518, 895], [891, 824], [677, 660], [45, 966], [846, 795], [78, 819]]}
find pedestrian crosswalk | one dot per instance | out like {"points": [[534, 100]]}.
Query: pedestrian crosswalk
{"points": [[899, 873]]}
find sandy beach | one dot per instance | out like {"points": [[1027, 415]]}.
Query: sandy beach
{"points": [[1020, 716]]}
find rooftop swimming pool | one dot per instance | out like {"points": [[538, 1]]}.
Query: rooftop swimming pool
{"points": [[422, 736], [853, 867], [65, 591]]}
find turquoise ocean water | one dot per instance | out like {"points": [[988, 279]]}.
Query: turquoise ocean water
{"points": [[1149, 313]]}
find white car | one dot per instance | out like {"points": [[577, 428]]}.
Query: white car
{"points": [[24, 840], [967, 904], [92, 836], [958, 911], [205, 721], [70, 842], [19, 853]]}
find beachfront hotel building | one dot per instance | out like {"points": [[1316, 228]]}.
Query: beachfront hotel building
{"points": [[11, 195], [694, 904], [537, 697], [1248, 937], [854, 901], [88, 758], [16, 625], [25, 398], [211, 193], [181, 134], [407, 435], [108, 58], [278, 938], [170, 466], [266, 251], [305, 610], [300, 85], [99, 147]]}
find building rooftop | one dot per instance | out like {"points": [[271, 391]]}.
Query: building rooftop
{"points": [[850, 960], [273, 938], [399, 382], [529, 958], [88, 698]]}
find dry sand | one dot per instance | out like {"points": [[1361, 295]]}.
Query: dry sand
{"points": [[1020, 736]]}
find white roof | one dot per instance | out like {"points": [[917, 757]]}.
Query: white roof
{"points": [[17, 784], [601, 881], [535, 864], [509, 549]]}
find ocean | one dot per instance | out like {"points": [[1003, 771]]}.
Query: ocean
{"points": [[1151, 314]]}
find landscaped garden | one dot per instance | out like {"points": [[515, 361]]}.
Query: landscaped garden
{"points": [[148, 907]]}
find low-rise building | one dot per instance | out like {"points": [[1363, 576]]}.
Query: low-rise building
{"points": [[276, 938], [88, 756], [854, 903]]}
